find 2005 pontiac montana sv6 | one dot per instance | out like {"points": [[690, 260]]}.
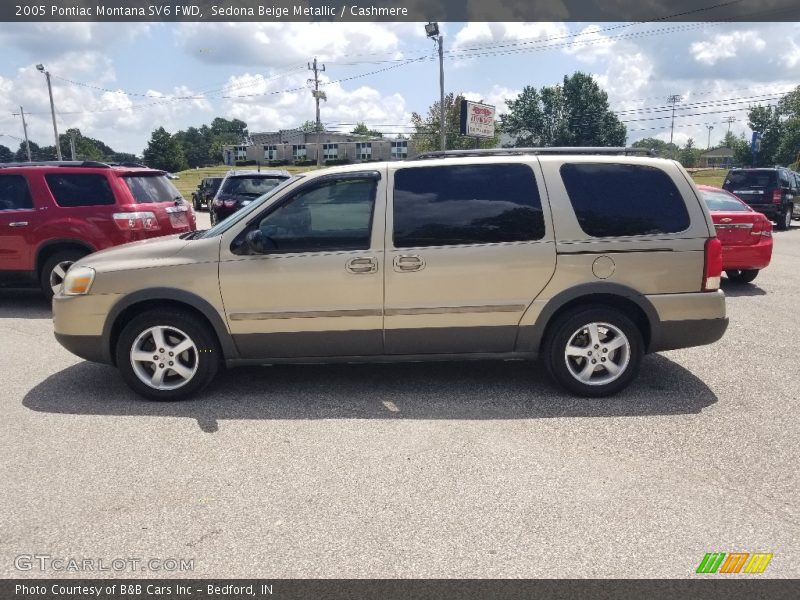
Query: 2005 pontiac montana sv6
{"points": [[588, 258]]}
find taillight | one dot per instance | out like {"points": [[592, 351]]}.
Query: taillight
{"points": [[777, 196], [712, 265], [767, 231], [136, 221]]}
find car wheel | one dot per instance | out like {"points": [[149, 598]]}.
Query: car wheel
{"points": [[167, 354], [593, 351], [742, 275], [196, 203], [55, 269], [785, 220]]}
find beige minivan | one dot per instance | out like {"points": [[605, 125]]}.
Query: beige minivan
{"points": [[587, 258]]}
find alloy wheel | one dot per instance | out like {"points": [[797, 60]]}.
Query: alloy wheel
{"points": [[597, 354], [164, 358], [58, 274]]}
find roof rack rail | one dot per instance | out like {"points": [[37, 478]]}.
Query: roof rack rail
{"points": [[58, 163], [544, 150]]}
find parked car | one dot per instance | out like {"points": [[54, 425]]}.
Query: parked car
{"points": [[54, 213], [770, 191], [240, 188], [587, 258], [746, 235], [205, 192]]}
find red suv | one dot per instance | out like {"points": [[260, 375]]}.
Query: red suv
{"points": [[53, 213]]}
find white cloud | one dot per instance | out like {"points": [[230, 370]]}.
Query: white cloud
{"points": [[286, 103], [496, 96], [725, 46], [590, 45], [483, 33], [276, 45]]}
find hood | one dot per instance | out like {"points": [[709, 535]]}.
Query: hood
{"points": [[152, 252]]}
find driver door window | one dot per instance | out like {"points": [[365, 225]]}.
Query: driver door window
{"points": [[333, 216]]}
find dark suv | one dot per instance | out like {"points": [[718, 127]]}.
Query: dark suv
{"points": [[240, 188], [770, 191], [205, 192], [54, 213]]}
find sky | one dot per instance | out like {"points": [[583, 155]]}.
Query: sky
{"points": [[117, 82]]}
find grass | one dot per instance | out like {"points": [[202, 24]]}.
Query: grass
{"points": [[713, 177], [190, 179]]}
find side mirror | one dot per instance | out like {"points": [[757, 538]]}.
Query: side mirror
{"points": [[258, 243]]}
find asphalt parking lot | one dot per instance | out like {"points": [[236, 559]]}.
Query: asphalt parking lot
{"points": [[412, 470]]}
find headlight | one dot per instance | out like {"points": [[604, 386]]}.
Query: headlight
{"points": [[78, 281]]}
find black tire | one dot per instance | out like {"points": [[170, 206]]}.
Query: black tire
{"points": [[204, 360], [196, 203], [784, 222], [573, 325], [742, 275], [65, 258]]}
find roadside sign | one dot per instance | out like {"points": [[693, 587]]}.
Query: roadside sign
{"points": [[477, 120]]}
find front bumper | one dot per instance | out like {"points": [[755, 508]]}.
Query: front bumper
{"points": [[88, 347]]}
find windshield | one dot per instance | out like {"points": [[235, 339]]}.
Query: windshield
{"points": [[720, 201], [151, 188], [249, 209], [749, 179], [249, 186]]}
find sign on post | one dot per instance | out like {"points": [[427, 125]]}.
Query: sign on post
{"points": [[477, 120]]}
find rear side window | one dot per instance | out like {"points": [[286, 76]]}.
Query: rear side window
{"points": [[466, 204], [749, 180], [79, 189], [613, 200], [720, 201], [14, 193], [249, 186], [151, 188]]}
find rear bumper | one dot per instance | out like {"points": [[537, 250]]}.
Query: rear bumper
{"points": [[687, 320], [756, 256]]}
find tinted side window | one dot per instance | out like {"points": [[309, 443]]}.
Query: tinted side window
{"points": [[151, 188], [616, 200], [78, 189], [332, 216], [466, 204], [14, 193]]}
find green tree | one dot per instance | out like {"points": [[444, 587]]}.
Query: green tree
{"points": [[574, 113], [788, 151], [426, 129], [362, 129], [662, 149], [690, 155], [164, 152], [196, 145], [6, 155], [766, 120]]}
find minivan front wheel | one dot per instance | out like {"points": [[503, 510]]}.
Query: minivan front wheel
{"points": [[167, 355], [593, 351]]}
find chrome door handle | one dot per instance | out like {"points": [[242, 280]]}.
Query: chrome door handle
{"points": [[361, 264], [407, 263], [18, 224]]}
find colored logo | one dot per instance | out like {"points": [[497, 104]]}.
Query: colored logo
{"points": [[734, 562]]}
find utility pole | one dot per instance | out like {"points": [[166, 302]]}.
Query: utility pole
{"points": [[673, 99], [317, 97], [709, 127], [25, 130], [72, 144], [432, 31], [41, 69], [730, 120]]}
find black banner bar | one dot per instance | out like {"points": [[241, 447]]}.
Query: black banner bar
{"points": [[397, 589], [399, 10]]}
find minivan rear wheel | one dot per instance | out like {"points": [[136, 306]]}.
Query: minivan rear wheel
{"points": [[167, 355], [593, 351]]}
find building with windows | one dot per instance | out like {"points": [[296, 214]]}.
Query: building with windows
{"points": [[294, 146]]}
